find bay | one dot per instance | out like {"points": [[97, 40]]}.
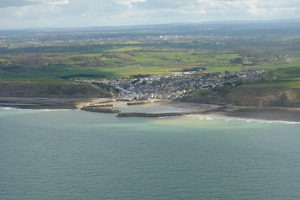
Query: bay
{"points": [[72, 154]]}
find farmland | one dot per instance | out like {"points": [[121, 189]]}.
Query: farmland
{"points": [[60, 56]]}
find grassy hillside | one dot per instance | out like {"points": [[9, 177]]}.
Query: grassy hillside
{"points": [[58, 90], [282, 89]]}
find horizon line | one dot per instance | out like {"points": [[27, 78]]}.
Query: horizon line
{"points": [[158, 24]]}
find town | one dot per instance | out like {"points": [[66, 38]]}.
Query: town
{"points": [[175, 85]]}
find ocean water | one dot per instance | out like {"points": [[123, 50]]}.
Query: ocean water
{"points": [[71, 154]]}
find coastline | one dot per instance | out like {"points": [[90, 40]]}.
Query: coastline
{"points": [[43, 103], [265, 113], [154, 109]]}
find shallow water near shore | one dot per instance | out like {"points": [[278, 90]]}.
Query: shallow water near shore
{"points": [[72, 154]]}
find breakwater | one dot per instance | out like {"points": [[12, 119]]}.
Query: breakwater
{"points": [[100, 109], [172, 114]]}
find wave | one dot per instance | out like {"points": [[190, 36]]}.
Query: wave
{"points": [[41, 110], [240, 119], [7, 108]]}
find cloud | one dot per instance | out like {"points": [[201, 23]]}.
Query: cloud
{"points": [[63, 13], [21, 3], [270, 8], [53, 2], [14, 3], [130, 3]]}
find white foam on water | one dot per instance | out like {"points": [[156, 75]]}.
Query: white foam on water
{"points": [[7, 108], [239, 119], [39, 110]]}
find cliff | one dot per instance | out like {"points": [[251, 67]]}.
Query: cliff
{"points": [[266, 97], [50, 90], [249, 96]]}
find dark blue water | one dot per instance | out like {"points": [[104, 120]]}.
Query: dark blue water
{"points": [[80, 155]]}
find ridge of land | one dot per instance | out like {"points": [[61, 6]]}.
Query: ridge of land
{"points": [[244, 64]]}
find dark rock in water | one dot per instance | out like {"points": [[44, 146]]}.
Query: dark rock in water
{"points": [[149, 114], [137, 103], [100, 109], [165, 114], [102, 106]]}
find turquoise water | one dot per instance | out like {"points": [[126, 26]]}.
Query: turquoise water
{"points": [[71, 154]]}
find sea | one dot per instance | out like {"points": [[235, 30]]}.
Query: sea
{"points": [[73, 154]]}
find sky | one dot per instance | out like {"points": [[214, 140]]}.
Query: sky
{"points": [[91, 13]]}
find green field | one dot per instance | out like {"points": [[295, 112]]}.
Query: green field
{"points": [[123, 62], [45, 63], [119, 57]]}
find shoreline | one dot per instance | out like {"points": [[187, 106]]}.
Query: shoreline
{"points": [[266, 113], [179, 108], [43, 103]]}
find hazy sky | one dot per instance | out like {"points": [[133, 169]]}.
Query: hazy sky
{"points": [[82, 13]]}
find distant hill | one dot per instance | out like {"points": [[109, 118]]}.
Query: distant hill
{"points": [[212, 27]]}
